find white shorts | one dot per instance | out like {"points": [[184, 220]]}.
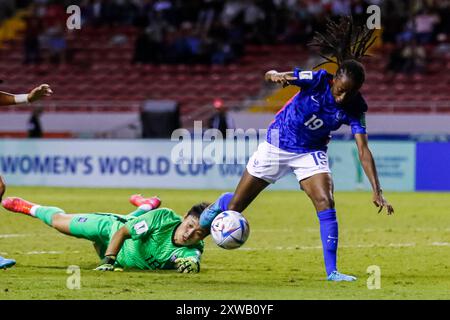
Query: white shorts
{"points": [[271, 163]]}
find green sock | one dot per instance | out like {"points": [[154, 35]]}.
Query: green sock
{"points": [[46, 214], [138, 212]]}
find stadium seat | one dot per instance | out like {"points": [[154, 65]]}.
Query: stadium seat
{"points": [[109, 75]]}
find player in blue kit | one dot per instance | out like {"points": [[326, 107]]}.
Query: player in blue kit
{"points": [[297, 139]]}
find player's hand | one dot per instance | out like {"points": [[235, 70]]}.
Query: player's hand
{"points": [[279, 77], [2, 188], [105, 267], [187, 265], [269, 75], [107, 264], [380, 202], [286, 78], [38, 93]]}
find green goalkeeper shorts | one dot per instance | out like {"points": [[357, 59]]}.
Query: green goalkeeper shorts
{"points": [[95, 227]]}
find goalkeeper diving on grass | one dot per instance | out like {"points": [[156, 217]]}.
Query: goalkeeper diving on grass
{"points": [[148, 238]]}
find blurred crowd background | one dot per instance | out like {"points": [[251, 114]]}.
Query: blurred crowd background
{"points": [[201, 54], [216, 31]]}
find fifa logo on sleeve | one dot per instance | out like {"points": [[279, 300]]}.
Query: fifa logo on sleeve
{"points": [[141, 227], [74, 20], [374, 280], [73, 282]]}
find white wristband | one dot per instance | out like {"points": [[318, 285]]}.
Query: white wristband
{"points": [[21, 98]]}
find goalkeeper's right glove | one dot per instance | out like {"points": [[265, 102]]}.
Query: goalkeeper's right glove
{"points": [[187, 265], [107, 264]]}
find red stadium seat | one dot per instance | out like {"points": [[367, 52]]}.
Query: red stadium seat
{"points": [[200, 69], [109, 75]]}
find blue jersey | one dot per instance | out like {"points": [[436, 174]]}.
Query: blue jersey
{"points": [[305, 122]]}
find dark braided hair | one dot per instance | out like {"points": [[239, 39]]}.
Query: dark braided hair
{"points": [[347, 44]]}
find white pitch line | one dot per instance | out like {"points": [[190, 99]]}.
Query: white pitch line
{"points": [[44, 252], [441, 244], [276, 230], [13, 235], [39, 252], [278, 248], [400, 245], [390, 245], [315, 230]]}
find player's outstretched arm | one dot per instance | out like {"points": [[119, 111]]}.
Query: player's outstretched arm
{"points": [[368, 164], [7, 99], [2, 188], [37, 93], [280, 77], [116, 243]]}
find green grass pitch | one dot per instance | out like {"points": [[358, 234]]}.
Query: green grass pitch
{"points": [[281, 260]]}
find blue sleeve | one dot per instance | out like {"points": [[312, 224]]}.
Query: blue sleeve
{"points": [[221, 204], [358, 125], [307, 79], [224, 200]]}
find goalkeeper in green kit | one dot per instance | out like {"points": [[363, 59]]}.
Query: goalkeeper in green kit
{"points": [[146, 239]]}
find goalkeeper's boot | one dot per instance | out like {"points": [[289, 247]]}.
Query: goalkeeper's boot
{"points": [[337, 276], [6, 263], [138, 200], [16, 204]]}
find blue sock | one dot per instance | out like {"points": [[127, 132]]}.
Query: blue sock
{"points": [[329, 236], [221, 204]]}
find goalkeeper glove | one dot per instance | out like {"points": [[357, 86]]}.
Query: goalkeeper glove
{"points": [[107, 264], [187, 265]]}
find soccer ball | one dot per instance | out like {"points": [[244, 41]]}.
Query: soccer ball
{"points": [[230, 229]]}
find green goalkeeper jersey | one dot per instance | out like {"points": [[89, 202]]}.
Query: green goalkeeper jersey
{"points": [[151, 246]]}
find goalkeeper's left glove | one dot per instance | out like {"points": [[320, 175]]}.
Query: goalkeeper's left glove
{"points": [[107, 264], [187, 265]]}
